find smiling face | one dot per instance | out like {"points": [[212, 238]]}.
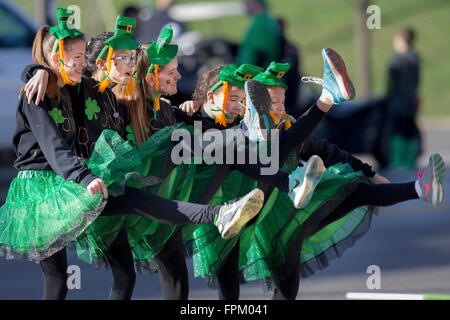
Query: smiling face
{"points": [[168, 78], [123, 63], [277, 94], [213, 106], [74, 59]]}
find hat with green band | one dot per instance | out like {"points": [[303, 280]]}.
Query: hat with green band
{"points": [[160, 53], [273, 75], [64, 29], [231, 74], [123, 39]]}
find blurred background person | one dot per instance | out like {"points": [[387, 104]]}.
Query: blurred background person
{"points": [[262, 41], [403, 101], [290, 54], [152, 22]]}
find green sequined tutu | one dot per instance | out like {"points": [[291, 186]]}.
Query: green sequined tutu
{"points": [[43, 213], [111, 160], [266, 247], [264, 244]]}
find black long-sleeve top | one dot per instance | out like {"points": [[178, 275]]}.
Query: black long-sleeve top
{"points": [[93, 112], [403, 83], [44, 139], [331, 154]]}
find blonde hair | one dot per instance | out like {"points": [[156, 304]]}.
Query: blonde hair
{"points": [[135, 99]]}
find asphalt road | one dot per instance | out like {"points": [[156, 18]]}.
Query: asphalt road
{"points": [[409, 242]]}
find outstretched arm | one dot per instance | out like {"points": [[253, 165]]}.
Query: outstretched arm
{"points": [[331, 154]]}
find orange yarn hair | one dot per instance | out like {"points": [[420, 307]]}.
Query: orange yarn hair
{"points": [[222, 118], [105, 82], [65, 77]]}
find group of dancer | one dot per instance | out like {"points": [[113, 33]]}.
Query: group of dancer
{"points": [[94, 149]]}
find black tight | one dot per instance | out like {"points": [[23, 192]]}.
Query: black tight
{"points": [[173, 271], [228, 276], [382, 195], [54, 271], [147, 204], [121, 261]]}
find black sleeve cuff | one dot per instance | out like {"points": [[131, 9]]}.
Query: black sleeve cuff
{"points": [[87, 179], [368, 172], [31, 70]]}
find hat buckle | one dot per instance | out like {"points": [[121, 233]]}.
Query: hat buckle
{"points": [[280, 74]]}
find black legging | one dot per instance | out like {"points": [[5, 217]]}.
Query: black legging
{"points": [[147, 204], [381, 195], [228, 276], [171, 266], [121, 261], [54, 271], [287, 276], [172, 269]]}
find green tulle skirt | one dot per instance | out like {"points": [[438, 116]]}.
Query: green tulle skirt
{"points": [[264, 244], [43, 213], [280, 226], [112, 159]]}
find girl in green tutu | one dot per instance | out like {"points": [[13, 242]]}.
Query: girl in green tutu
{"points": [[338, 212], [54, 197], [112, 158], [335, 219], [159, 78], [149, 114]]}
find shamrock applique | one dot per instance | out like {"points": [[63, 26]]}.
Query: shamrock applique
{"points": [[91, 109], [57, 116], [130, 136]]}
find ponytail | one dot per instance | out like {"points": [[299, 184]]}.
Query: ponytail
{"points": [[41, 51]]}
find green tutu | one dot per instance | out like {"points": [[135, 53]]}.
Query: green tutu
{"points": [[112, 159], [266, 247], [43, 213], [264, 244]]}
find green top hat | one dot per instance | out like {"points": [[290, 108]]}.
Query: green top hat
{"points": [[123, 38], [65, 27], [273, 74], [237, 75], [161, 52]]}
